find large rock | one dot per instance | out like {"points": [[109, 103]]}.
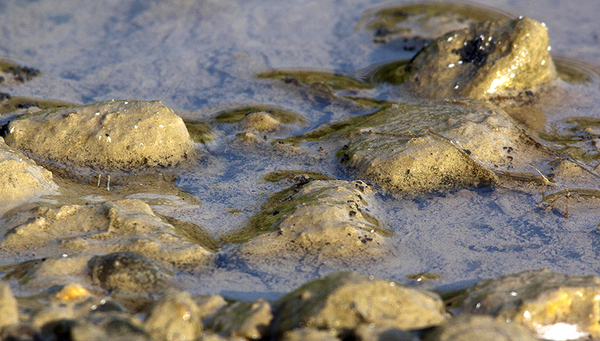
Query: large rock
{"points": [[410, 148], [125, 225], [543, 301], [470, 327], [485, 60], [321, 220], [343, 301], [107, 135], [20, 177]]}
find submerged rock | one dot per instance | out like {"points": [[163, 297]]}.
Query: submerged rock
{"points": [[174, 317], [318, 220], [20, 177], [246, 319], [543, 301], [343, 301], [469, 327], [125, 225], [485, 60], [107, 135], [95, 327], [127, 272]]}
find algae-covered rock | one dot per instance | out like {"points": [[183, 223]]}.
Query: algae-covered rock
{"points": [[261, 120], [246, 319], [412, 148], [470, 327], [345, 300], [107, 135], [540, 300], [174, 317], [9, 312], [419, 164], [127, 272], [321, 220], [20, 177], [124, 225], [485, 60]]}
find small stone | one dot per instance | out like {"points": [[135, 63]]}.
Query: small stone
{"points": [[308, 334], [127, 272], [174, 317], [250, 320]]}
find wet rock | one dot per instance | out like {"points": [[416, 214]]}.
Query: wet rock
{"points": [[127, 272], [208, 305], [308, 334], [20, 177], [345, 300], [260, 122], [419, 164], [124, 225], [18, 332], [420, 148], [318, 220], [107, 135], [216, 337], [467, 328], [246, 319], [483, 61], [543, 301], [174, 317], [96, 328], [9, 312]]}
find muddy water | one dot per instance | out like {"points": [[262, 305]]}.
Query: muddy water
{"points": [[200, 58]]}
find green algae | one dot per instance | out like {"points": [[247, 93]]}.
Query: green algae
{"points": [[335, 81], [200, 132], [275, 208], [192, 232], [283, 174], [235, 115], [388, 20], [393, 73], [14, 103]]}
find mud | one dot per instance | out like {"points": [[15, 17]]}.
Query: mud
{"points": [[299, 144]]}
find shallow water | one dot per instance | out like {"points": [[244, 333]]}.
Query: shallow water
{"points": [[199, 57]]}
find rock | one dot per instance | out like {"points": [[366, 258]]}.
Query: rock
{"points": [[308, 334], [95, 328], [109, 135], [470, 327], [124, 225], [383, 332], [411, 148], [486, 60], [317, 220], [259, 120], [20, 177], [174, 317], [9, 311], [246, 319], [543, 301], [345, 300], [208, 305], [127, 272]]}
